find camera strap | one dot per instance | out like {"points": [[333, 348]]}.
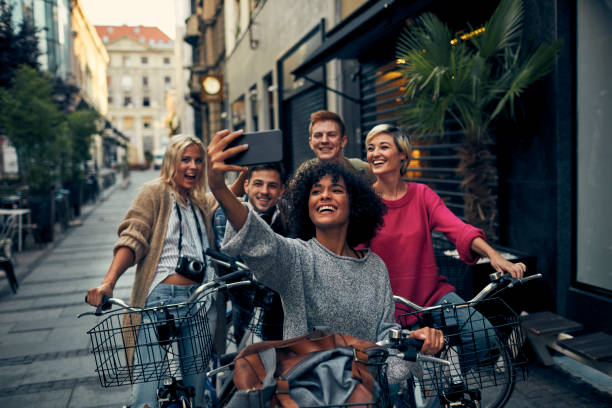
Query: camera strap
{"points": [[180, 217]]}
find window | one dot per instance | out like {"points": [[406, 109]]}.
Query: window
{"points": [[594, 148], [144, 60], [146, 101], [254, 107], [127, 101], [126, 61], [166, 61], [269, 100], [145, 81], [238, 114], [128, 122], [110, 100], [108, 80], [126, 83], [147, 122], [167, 80]]}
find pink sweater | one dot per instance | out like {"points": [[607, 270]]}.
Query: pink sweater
{"points": [[404, 243]]}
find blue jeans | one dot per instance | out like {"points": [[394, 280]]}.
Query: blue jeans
{"points": [[146, 393], [478, 341]]}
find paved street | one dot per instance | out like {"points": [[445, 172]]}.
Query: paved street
{"points": [[44, 354]]}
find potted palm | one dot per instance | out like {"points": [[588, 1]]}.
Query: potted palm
{"points": [[470, 81]]}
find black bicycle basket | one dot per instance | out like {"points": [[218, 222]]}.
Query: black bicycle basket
{"points": [[485, 351], [152, 344]]}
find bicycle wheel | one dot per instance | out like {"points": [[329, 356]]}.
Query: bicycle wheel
{"points": [[495, 384], [497, 396]]}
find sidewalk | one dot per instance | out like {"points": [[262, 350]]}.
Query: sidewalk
{"points": [[44, 355]]}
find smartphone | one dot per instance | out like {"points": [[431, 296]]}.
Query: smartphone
{"points": [[264, 147]]}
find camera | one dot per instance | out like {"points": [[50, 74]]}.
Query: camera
{"points": [[190, 268]]}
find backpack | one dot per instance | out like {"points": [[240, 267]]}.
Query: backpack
{"points": [[317, 369]]}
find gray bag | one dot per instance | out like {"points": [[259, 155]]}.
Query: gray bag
{"points": [[333, 376]]}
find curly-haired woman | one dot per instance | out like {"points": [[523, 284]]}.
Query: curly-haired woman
{"points": [[321, 278]]}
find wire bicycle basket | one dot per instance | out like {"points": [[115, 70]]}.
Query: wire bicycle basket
{"points": [[152, 344], [485, 351]]}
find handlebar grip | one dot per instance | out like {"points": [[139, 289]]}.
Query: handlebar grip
{"points": [[227, 358], [410, 348], [238, 275], [220, 255], [103, 306]]}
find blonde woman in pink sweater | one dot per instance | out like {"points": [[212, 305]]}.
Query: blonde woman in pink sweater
{"points": [[413, 211]]}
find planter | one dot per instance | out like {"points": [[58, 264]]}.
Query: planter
{"points": [[42, 206], [76, 189]]}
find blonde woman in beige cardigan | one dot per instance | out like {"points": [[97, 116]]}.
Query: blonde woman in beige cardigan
{"points": [[170, 209]]}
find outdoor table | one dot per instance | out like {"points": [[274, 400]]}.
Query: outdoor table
{"points": [[19, 212]]}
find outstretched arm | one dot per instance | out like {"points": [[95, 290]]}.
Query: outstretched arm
{"points": [[498, 262], [123, 259], [215, 157]]}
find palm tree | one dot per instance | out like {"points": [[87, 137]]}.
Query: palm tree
{"points": [[469, 81]]}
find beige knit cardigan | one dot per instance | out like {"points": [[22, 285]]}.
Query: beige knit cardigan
{"points": [[143, 230]]}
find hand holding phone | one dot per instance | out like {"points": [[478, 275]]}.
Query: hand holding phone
{"points": [[264, 147]]}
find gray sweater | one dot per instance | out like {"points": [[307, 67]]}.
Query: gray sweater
{"points": [[317, 287]]}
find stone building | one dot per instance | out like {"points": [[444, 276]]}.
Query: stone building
{"points": [[89, 73], [139, 76]]}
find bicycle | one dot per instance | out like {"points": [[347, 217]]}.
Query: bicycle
{"points": [[222, 374], [174, 341], [485, 352]]}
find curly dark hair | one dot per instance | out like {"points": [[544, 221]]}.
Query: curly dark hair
{"points": [[365, 208]]}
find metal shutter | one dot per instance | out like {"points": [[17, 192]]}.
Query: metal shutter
{"points": [[297, 111], [434, 160]]}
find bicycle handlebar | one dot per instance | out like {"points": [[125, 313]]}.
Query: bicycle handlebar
{"points": [[240, 272], [498, 281]]}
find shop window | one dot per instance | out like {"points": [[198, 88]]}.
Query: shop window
{"points": [[594, 144]]}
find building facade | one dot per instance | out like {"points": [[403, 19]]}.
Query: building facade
{"points": [[52, 18], [205, 34], [89, 73], [139, 77], [183, 54]]}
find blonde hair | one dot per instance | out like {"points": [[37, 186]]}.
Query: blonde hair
{"points": [[399, 137], [172, 159]]}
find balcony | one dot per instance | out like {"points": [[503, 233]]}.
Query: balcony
{"points": [[193, 29]]}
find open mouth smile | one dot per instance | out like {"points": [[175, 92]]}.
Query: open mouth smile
{"points": [[326, 209]]}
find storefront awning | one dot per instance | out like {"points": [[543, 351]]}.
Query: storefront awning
{"points": [[373, 26]]}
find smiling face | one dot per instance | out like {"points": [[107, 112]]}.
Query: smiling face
{"points": [[326, 140], [264, 188], [328, 203], [189, 169], [383, 155]]}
